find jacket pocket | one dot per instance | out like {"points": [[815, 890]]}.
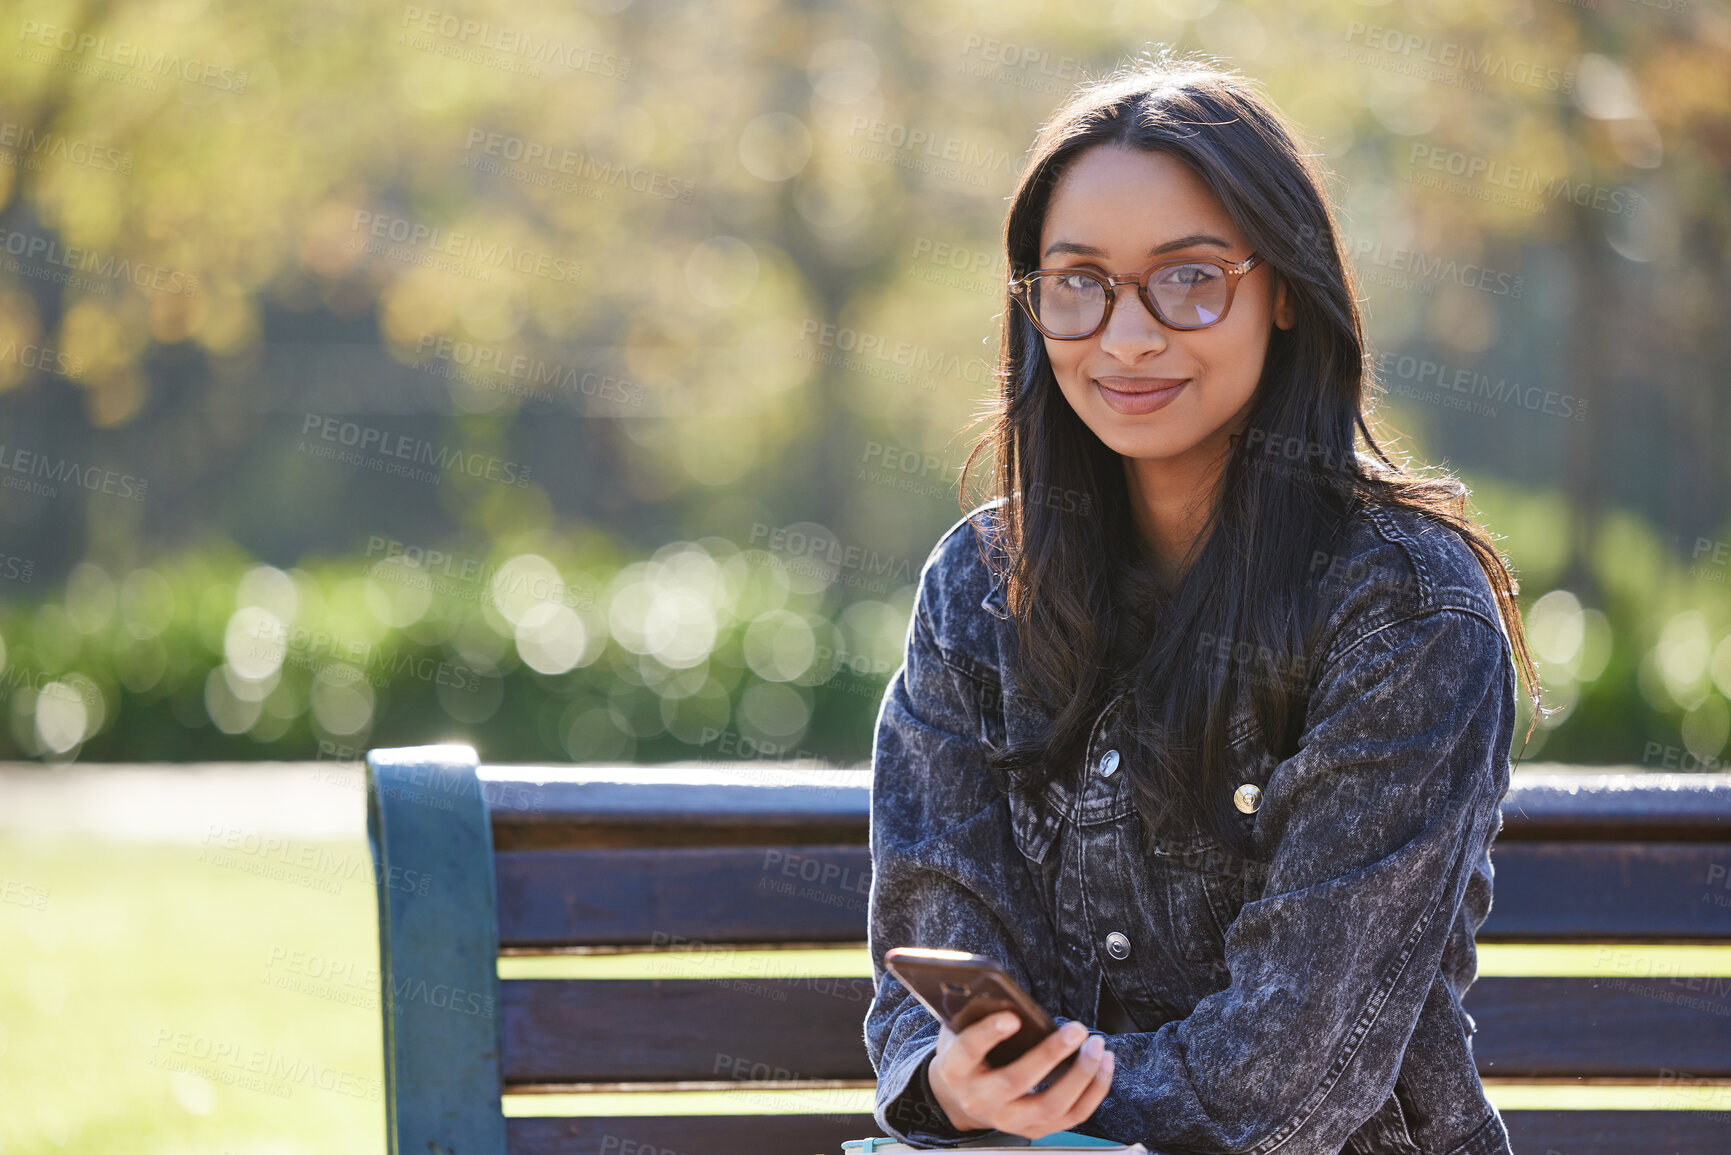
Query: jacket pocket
{"points": [[1228, 881], [1205, 888], [1033, 821], [1384, 1133], [983, 692], [1197, 930]]}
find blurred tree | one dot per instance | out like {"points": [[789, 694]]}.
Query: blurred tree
{"points": [[672, 271]]}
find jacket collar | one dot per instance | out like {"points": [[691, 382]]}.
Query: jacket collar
{"points": [[994, 603]]}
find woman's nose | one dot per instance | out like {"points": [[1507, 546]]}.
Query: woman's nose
{"points": [[1131, 329]]}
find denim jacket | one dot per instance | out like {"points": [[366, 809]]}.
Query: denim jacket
{"points": [[1304, 1000]]}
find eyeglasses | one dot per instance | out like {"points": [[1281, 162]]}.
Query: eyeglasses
{"points": [[1074, 304]]}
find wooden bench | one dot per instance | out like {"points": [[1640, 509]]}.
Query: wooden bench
{"points": [[480, 866]]}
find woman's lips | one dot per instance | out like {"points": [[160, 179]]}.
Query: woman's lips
{"points": [[1137, 395]]}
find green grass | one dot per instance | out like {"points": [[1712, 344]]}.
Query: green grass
{"points": [[142, 949]]}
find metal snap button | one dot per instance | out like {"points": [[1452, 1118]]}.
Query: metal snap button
{"points": [[1247, 797], [1108, 763], [1118, 946]]}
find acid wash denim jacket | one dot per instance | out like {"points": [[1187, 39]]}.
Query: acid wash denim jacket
{"points": [[1306, 1000]]}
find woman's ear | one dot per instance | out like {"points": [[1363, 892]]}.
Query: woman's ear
{"points": [[1284, 314]]}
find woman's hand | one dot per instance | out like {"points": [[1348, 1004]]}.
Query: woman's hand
{"points": [[976, 1096]]}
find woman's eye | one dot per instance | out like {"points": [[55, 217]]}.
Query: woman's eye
{"points": [[1189, 275]]}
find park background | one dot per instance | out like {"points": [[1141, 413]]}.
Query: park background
{"points": [[589, 382]]}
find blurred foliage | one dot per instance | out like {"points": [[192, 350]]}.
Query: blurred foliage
{"points": [[674, 311], [1644, 675], [702, 650]]}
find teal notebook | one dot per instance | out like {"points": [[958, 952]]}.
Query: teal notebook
{"points": [[996, 1141]]}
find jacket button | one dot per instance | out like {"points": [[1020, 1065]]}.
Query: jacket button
{"points": [[1108, 763], [1118, 946], [1247, 798]]}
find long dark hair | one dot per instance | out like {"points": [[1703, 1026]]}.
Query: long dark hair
{"points": [[1092, 614]]}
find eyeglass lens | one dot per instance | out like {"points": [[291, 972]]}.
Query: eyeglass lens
{"points": [[1071, 304]]}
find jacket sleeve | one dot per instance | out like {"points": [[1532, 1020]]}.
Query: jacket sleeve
{"points": [[945, 873], [1375, 823]]}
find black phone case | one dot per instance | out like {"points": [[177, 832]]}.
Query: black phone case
{"points": [[961, 989]]}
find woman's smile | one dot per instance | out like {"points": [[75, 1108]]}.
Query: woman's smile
{"points": [[1133, 396]]}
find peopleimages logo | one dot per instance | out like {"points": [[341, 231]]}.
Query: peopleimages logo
{"points": [[255, 1068], [141, 274], [910, 361], [42, 358], [532, 371], [38, 144], [511, 42], [938, 146], [29, 465], [125, 54], [584, 167], [1408, 376], [366, 438], [1487, 178], [1468, 59], [464, 246]]}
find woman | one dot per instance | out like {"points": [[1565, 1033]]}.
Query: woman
{"points": [[1203, 728]]}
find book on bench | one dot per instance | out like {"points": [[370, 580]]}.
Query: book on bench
{"points": [[999, 1143]]}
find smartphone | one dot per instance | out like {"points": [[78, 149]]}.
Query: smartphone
{"points": [[960, 989]]}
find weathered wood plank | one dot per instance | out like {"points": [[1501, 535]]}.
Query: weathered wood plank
{"points": [[1608, 1028], [819, 1134], [1609, 891], [676, 805], [804, 893], [1545, 891], [555, 806], [1582, 804], [1530, 1133], [604, 1031], [616, 1030], [1618, 1132], [672, 1029]]}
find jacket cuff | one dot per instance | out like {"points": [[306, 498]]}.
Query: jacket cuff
{"points": [[1060, 1020], [908, 1111]]}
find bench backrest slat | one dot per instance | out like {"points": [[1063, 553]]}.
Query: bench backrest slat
{"points": [[1565, 1028], [698, 1029], [602, 1030], [704, 1134], [1594, 891], [812, 893]]}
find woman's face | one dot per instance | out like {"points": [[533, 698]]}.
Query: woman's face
{"points": [[1145, 390]]}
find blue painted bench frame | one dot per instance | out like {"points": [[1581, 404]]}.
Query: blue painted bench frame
{"points": [[441, 1069]]}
